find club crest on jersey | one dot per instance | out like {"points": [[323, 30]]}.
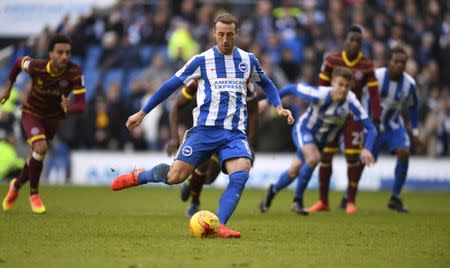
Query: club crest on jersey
{"points": [[40, 82], [34, 131], [358, 75], [187, 150], [243, 67], [63, 83]]}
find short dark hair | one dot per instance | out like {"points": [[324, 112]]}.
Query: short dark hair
{"points": [[227, 19], [397, 49], [58, 38], [343, 72], [355, 28]]}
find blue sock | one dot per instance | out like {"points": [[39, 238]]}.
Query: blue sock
{"points": [[156, 174], [282, 182], [303, 180], [401, 169], [231, 195]]}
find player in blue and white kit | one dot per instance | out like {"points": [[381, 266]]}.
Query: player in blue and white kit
{"points": [[397, 88], [220, 118], [320, 124]]}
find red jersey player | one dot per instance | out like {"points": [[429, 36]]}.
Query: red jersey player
{"points": [[46, 105], [363, 75]]}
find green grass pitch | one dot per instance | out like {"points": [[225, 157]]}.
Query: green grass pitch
{"points": [[146, 227]]}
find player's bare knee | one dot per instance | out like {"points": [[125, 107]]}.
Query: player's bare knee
{"points": [[293, 172], [175, 176], [403, 154], [40, 147], [313, 159]]}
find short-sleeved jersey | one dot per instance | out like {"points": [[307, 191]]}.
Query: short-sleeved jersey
{"points": [[394, 94], [362, 68], [325, 117], [44, 99], [222, 86]]}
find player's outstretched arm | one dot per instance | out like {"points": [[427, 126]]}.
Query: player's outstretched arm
{"points": [[15, 71], [6, 92], [161, 94]]}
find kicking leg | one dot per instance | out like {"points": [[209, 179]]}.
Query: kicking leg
{"points": [[177, 173]]}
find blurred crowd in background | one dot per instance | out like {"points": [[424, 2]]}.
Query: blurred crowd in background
{"points": [[128, 50]]}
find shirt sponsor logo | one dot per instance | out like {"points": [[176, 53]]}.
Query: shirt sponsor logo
{"points": [[230, 84]]}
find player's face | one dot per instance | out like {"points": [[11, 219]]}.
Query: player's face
{"points": [[353, 43], [225, 37], [397, 63], [60, 55], [340, 86]]}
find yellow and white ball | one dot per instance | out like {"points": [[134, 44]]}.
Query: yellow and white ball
{"points": [[204, 224]]}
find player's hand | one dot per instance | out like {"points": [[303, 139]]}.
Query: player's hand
{"points": [[172, 146], [285, 113], [418, 145], [4, 95], [135, 120], [65, 103], [367, 157]]}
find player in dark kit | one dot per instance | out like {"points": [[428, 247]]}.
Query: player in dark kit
{"points": [[207, 172], [363, 75], [46, 105]]}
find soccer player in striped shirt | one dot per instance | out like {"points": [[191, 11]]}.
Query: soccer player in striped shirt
{"points": [[320, 124], [220, 118], [397, 89], [363, 75], [205, 173], [46, 105]]}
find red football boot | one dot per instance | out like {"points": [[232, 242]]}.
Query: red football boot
{"points": [[224, 232], [126, 180], [10, 198], [319, 206], [351, 208]]}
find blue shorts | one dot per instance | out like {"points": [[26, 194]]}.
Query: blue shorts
{"points": [[392, 140], [301, 136], [202, 142]]}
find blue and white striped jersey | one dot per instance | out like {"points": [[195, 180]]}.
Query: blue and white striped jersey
{"points": [[393, 95], [325, 117], [222, 86]]}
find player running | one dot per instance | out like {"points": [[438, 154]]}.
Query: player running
{"points": [[397, 89], [220, 118], [321, 123], [207, 172], [46, 105], [363, 75]]}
